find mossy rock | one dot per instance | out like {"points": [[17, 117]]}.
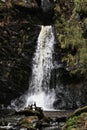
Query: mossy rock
{"points": [[70, 123], [28, 122], [77, 121]]}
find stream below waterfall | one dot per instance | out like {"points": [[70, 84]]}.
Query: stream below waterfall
{"points": [[9, 121]]}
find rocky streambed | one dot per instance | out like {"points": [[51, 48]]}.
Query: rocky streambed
{"points": [[29, 119]]}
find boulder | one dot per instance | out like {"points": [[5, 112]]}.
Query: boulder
{"points": [[28, 122], [30, 112]]}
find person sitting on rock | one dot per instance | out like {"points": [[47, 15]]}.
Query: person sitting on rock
{"points": [[34, 106]]}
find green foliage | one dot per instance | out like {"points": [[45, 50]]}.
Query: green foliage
{"points": [[77, 120], [70, 123], [72, 34], [80, 6]]}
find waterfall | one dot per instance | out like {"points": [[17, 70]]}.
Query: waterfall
{"points": [[39, 90]]}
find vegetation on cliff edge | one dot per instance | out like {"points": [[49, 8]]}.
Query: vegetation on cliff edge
{"points": [[71, 27]]}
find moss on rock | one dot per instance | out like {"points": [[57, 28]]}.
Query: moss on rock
{"points": [[77, 120], [70, 24], [28, 122]]}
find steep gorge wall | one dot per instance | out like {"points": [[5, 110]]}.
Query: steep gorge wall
{"points": [[18, 36]]}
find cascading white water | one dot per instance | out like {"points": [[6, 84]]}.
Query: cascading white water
{"points": [[39, 87], [39, 90]]}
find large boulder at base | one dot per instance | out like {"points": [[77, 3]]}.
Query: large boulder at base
{"points": [[28, 122], [30, 112], [32, 118]]}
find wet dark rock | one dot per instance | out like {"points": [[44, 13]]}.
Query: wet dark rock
{"points": [[15, 59], [70, 96], [61, 119], [15, 54], [29, 112], [30, 6], [32, 119]]}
